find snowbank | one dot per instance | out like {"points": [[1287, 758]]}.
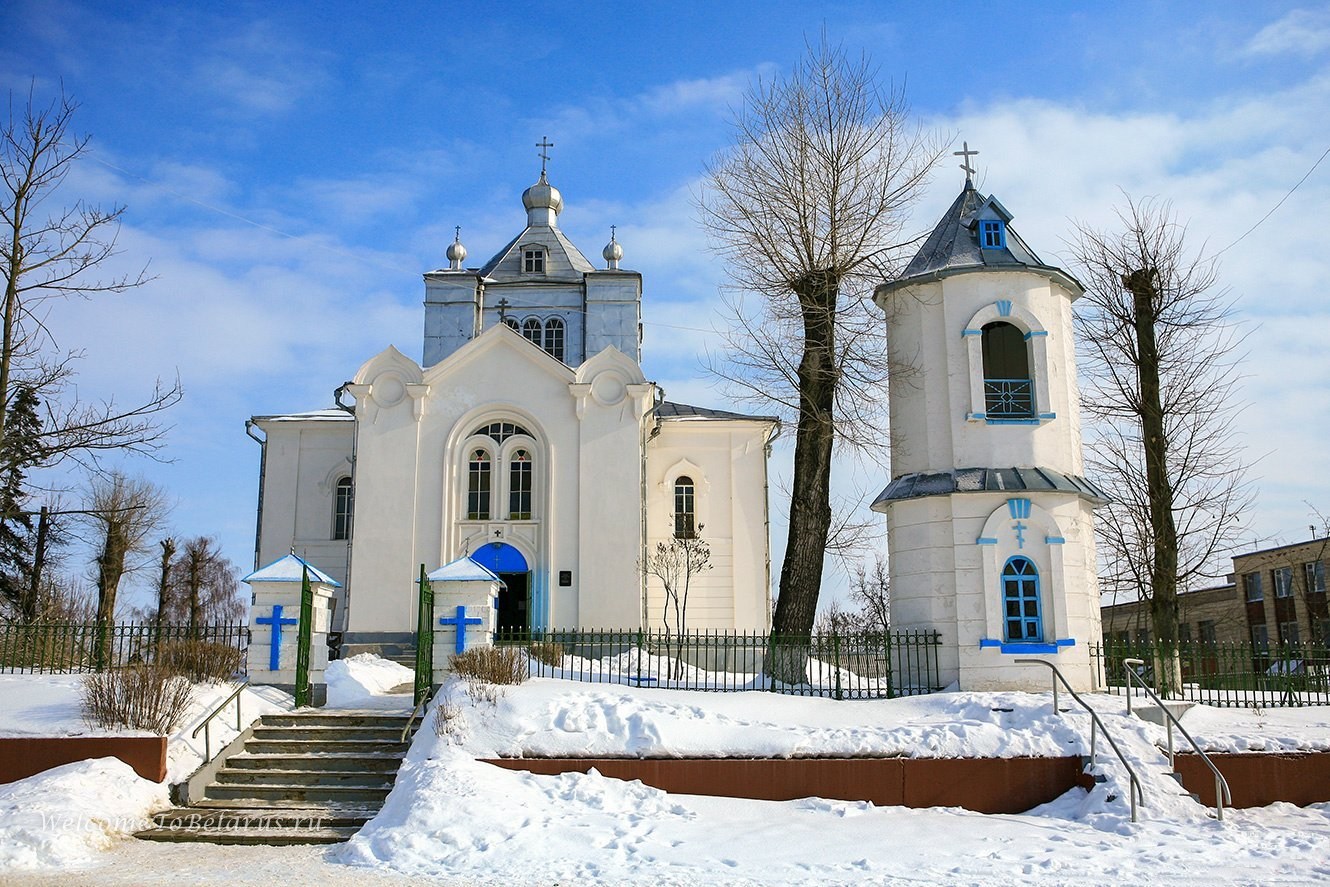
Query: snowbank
{"points": [[363, 681], [62, 817]]}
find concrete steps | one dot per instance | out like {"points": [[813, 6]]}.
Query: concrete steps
{"points": [[307, 777]]}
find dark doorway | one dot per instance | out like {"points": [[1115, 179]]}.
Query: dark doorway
{"points": [[514, 615]]}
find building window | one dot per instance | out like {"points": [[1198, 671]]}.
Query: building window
{"points": [[511, 323], [478, 486], [554, 338], [685, 508], [533, 261], [1008, 388], [1314, 573], [1143, 637], [1251, 584], [500, 431], [519, 486], [992, 234], [1020, 595], [1284, 582], [1207, 631], [1184, 632], [1260, 637], [343, 499], [1288, 633], [1322, 629], [531, 330]]}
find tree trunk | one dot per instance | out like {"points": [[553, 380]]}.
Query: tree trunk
{"points": [[110, 568], [31, 600], [1159, 487], [164, 587], [810, 501]]}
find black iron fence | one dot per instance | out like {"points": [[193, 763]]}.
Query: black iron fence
{"points": [[839, 666], [84, 647], [1238, 675]]}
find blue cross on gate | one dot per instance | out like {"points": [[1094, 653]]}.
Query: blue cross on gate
{"points": [[275, 645], [461, 620]]}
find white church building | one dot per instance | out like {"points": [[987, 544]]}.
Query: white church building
{"points": [[528, 438]]}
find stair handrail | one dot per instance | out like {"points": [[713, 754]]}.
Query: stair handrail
{"points": [[1134, 792], [1222, 794], [415, 711], [207, 722]]}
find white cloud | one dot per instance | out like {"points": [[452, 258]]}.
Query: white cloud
{"points": [[1303, 32], [259, 70]]}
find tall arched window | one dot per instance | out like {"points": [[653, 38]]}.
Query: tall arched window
{"points": [[1008, 388], [554, 338], [478, 486], [1020, 600], [519, 486], [342, 504], [685, 508], [531, 330]]}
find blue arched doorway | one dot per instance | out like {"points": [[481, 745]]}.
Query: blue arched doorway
{"points": [[515, 596]]}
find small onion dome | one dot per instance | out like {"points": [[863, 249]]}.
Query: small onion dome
{"points": [[543, 195], [612, 252], [456, 252]]}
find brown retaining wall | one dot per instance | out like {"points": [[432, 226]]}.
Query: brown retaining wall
{"points": [[985, 785], [1255, 780], [21, 757]]}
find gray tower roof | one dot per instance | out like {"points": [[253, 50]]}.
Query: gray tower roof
{"points": [[953, 246]]}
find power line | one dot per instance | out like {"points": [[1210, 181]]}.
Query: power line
{"points": [[1275, 207]]}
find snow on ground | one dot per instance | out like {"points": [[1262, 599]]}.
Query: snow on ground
{"points": [[61, 817], [365, 681], [1257, 728]]}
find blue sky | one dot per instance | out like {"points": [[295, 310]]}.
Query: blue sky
{"points": [[291, 169]]}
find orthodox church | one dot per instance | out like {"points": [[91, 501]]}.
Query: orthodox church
{"points": [[528, 438]]}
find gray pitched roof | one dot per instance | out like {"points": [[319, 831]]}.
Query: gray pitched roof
{"points": [[562, 259], [953, 245], [986, 480], [669, 410]]}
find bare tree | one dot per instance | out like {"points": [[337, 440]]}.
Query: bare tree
{"points": [[164, 596], [675, 563], [53, 253], [807, 208], [125, 511], [1159, 360], [207, 584], [870, 588]]}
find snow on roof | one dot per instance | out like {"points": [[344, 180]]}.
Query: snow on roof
{"points": [[464, 569], [670, 410], [290, 569], [329, 415]]}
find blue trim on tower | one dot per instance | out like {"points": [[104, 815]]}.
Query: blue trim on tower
{"points": [[1054, 540], [1018, 649], [1003, 307], [969, 332], [1030, 335], [985, 540]]}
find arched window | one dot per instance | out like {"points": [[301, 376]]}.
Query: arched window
{"points": [[554, 338], [685, 508], [531, 330], [1020, 600], [1008, 388], [519, 486], [501, 431], [343, 499], [478, 486], [511, 323]]}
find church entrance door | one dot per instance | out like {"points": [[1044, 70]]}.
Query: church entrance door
{"points": [[514, 598]]}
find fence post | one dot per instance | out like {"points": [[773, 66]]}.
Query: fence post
{"points": [[425, 639], [303, 691]]}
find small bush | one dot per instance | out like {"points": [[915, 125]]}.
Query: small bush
{"points": [[492, 665], [143, 697], [547, 653], [198, 660], [449, 720]]}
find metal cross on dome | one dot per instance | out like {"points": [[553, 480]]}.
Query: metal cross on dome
{"points": [[544, 145], [503, 305], [966, 154]]}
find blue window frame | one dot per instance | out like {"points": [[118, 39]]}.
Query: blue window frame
{"points": [[1020, 601], [992, 234]]}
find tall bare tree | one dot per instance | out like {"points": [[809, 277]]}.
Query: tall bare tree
{"points": [[125, 511], [676, 564], [53, 252], [1160, 362], [206, 584], [807, 209]]}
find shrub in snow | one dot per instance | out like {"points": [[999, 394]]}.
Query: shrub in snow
{"points": [[143, 697], [200, 661], [547, 653], [449, 720], [492, 665]]}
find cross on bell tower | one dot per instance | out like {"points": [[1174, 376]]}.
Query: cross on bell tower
{"points": [[544, 145], [965, 153]]}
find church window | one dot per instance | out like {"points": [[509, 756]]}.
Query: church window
{"points": [[531, 330], [1020, 599], [342, 503], [501, 431], [478, 486], [1008, 388], [685, 508], [554, 338], [519, 486], [511, 323], [533, 261], [992, 234]]}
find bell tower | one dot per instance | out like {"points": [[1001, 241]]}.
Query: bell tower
{"points": [[989, 518]]}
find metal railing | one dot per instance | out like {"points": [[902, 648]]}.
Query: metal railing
{"points": [[1133, 676], [85, 647], [860, 665], [1135, 793], [1237, 675], [206, 726], [1009, 398]]}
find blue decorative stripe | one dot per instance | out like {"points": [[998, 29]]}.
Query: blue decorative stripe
{"points": [[1028, 336], [985, 540], [1043, 417], [1004, 307], [1013, 421], [968, 332], [1019, 508], [1055, 540], [1018, 648]]}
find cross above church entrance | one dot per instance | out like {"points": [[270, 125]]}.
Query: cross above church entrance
{"points": [[503, 305], [275, 644], [461, 621]]}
